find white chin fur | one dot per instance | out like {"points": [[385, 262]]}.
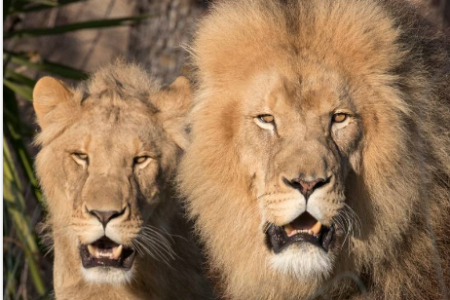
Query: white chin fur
{"points": [[112, 276], [305, 262]]}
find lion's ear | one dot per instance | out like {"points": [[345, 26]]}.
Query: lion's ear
{"points": [[174, 103], [48, 93]]}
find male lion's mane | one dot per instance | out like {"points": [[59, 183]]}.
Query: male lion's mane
{"points": [[402, 247]]}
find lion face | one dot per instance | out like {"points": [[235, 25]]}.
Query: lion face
{"points": [[300, 142], [112, 181], [104, 172], [302, 136]]}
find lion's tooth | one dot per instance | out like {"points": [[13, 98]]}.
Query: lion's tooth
{"points": [[316, 228], [292, 233], [104, 254], [288, 229], [92, 250], [117, 251]]}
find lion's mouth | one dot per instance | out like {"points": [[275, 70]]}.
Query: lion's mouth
{"points": [[106, 253], [305, 228]]}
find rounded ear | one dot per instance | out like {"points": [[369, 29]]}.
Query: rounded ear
{"points": [[175, 98], [47, 94], [174, 103]]}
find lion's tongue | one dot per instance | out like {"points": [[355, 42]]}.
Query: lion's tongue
{"points": [[305, 223]]}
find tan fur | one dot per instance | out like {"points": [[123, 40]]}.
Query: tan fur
{"points": [[389, 163], [116, 116]]}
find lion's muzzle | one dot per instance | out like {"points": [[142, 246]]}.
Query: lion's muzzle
{"points": [[107, 248]]}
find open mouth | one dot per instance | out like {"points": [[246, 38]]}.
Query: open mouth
{"points": [[106, 253], [304, 229]]}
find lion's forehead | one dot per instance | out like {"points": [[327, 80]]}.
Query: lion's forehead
{"points": [[302, 93], [115, 130], [123, 112]]}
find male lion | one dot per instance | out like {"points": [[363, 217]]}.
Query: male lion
{"points": [[321, 150], [109, 152]]}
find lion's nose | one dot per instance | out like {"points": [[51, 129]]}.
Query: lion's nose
{"points": [[105, 216], [307, 187]]}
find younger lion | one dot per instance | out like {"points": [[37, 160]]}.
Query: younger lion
{"points": [[109, 151], [321, 150]]}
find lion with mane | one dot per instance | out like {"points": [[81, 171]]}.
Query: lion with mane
{"points": [[321, 150], [109, 150]]}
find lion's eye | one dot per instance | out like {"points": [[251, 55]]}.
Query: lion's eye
{"points": [[339, 117], [140, 159], [266, 118], [81, 156]]}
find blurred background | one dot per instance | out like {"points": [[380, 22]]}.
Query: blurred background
{"points": [[68, 39]]}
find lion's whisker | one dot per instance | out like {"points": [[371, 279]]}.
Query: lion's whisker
{"points": [[159, 230], [160, 242], [156, 243], [153, 252], [148, 251]]}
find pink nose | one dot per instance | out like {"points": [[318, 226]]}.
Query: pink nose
{"points": [[105, 216], [306, 187]]}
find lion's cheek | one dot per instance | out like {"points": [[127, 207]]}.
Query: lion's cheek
{"points": [[355, 162], [348, 142], [74, 178], [252, 168]]}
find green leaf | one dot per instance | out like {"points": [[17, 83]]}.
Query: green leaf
{"points": [[11, 271], [96, 24], [20, 78], [6, 8], [15, 204], [45, 66], [10, 113], [14, 132], [22, 90], [15, 184]]}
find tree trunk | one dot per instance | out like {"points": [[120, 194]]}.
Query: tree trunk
{"points": [[157, 42], [446, 14]]}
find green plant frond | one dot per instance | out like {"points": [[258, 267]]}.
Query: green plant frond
{"points": [[14, 133], [22, 90], [45, 66], [96, 24], [17, 77], [22, 251], [15, 205]]}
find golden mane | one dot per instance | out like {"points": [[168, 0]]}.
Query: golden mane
{"points": [[401, 65]]}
